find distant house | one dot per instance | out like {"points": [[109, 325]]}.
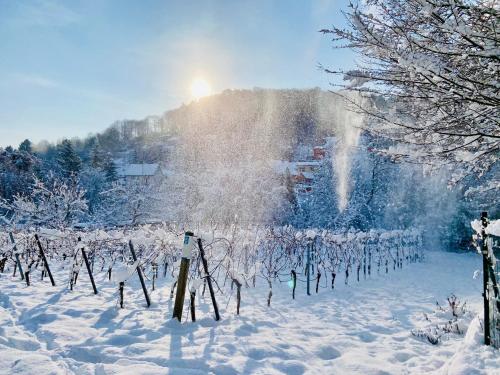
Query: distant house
{"points": [[136, 172], [319, 153], [303, 173], [303, 189], [307, 166]]}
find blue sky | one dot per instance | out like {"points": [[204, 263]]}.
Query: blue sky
{"points": [[70, 68]]}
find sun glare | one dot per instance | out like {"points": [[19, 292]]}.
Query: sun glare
{"points": [[200, 88]]}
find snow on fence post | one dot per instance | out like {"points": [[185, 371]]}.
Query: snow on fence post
{"points": [[183, 275], [18, 261], [45, 263], [208, 279], [484, 250], [139, 272], [87, 264]]}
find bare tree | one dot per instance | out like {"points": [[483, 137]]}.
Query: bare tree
{"points": [[53, 204]]}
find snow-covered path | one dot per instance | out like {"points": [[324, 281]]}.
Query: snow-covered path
{"points": [[357, 329]]}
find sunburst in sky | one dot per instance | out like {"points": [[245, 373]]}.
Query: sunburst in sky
{"points": [[120, 59], [200, 88]]}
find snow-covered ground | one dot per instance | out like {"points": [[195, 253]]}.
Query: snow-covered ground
{"points": [[363, 328]]}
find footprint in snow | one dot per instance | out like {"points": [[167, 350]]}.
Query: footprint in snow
{"points": [[366, 336], [402, 356], [328, 353]]}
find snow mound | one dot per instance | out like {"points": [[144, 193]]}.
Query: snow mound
{"points": [[472, 356]]}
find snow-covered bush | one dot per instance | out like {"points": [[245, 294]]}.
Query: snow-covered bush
{"points": [[54, 204], [452, 319]]}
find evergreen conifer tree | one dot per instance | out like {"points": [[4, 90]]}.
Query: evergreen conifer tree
{"points": [[67, 158], [109, 169], [26, 146], [97, 157]]}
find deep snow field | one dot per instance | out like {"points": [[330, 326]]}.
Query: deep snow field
{"points": [[363, 328]]}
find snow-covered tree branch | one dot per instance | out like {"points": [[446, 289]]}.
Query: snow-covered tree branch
{"points": [[55, 204], [434, 64]]}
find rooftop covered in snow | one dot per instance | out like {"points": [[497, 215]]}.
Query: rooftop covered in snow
{"points": [[138, 170]]}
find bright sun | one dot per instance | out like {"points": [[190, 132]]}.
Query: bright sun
{"points": [[200, 88]]}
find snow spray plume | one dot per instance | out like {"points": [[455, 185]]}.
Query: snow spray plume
{"points": [[346, 124], [223, 161], [348, 131]]}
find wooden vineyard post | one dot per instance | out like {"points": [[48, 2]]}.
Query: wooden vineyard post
{"points": [[2, 263], [89, 270], [308, 269], [294, 282], [18, 261], [238, 294], [155, 274], [174, 285], [192, 294], [318, 277], [238, 298], [183, 275], [484, 250], [45, 263], [208, 279], [121, 287], [165, 266], [370, 261], [364, 261], [139, 272]]}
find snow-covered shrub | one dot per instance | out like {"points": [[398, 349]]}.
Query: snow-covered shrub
{"points": [[54, 204], [451, 319]]}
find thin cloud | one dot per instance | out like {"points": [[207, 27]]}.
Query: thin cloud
{"points": [[43, 13], [42, 82], [35, 80]]}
